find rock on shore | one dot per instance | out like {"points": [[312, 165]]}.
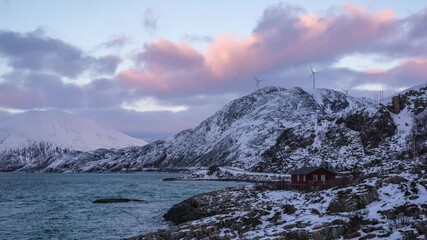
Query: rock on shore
{"points": [[117, 200]]}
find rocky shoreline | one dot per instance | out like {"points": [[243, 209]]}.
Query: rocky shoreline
{"points": [[380, 206]]}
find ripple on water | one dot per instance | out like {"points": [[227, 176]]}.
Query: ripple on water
{"points": [[59, 206]]}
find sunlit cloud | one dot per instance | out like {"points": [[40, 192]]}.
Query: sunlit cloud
{"points": [[371, 87], [150, 104], [11, 110], [367, 62]]}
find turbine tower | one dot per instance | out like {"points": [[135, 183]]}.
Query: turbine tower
{"points": [[257, 82], [313, 76]]}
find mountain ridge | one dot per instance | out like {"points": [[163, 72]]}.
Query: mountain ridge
{"points": [[271, 130]]}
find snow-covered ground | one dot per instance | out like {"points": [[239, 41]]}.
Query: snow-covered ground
{"points": [[234, 173], [382, 206]]}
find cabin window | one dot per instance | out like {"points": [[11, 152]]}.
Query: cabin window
{"points": [[323, 178], [314, 177], [297, 177], [303, 178]]}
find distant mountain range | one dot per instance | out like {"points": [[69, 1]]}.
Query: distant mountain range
{"points": [[29, 137], [272, 130]]}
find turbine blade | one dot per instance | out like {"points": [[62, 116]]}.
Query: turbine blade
{"points": [[255, 77]]}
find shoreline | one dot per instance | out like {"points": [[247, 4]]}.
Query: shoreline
{"points": [[216, 180], [371, 207]]}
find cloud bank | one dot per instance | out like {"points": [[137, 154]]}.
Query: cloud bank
{"points": [[166, 77]]}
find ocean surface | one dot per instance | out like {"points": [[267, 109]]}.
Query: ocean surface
{"points": [[59, 206]]}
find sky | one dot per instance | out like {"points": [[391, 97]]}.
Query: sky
{"points": [[153, 68]]}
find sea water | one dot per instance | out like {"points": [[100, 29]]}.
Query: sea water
{"points": [[59, 206]]}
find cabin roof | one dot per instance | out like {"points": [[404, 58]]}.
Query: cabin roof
{"points": [[307, 170]]}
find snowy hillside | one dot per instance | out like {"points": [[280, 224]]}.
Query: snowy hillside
{"points": [[271, 130], [390, 205], [383, 194], [60, 129]]}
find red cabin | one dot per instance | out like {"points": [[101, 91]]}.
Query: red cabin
{"points": [[312, 176]]}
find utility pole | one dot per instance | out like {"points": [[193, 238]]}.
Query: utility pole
{"points": [[381, 95]]}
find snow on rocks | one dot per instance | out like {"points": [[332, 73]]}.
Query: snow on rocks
{"points": [[376, 206], [233, 174]]}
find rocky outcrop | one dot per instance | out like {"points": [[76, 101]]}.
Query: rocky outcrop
{"points": [[397, 104], [186, 211], [329, 231], [203, 205], [378, 128], [350, 200], [374, 128], [414, 99]]}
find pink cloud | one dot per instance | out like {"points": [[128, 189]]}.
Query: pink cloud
{"points": [[283, 39], [417, 67], [22, 98], [165, 66], [375, 71], [147, 79], [165, 54], [311, 37], [230, 55], [409, 73]]}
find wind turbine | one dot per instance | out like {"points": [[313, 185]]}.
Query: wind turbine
{"points": [[313, 76], [257, 82], [346, 90]]}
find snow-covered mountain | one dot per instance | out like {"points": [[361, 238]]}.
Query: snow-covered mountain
{"points": [[60, 129], [272, 130]]}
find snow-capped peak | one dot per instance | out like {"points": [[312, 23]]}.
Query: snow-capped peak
{"points": [[61, 129]]}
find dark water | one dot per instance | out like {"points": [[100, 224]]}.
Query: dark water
{"points": [[59, 206]]}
